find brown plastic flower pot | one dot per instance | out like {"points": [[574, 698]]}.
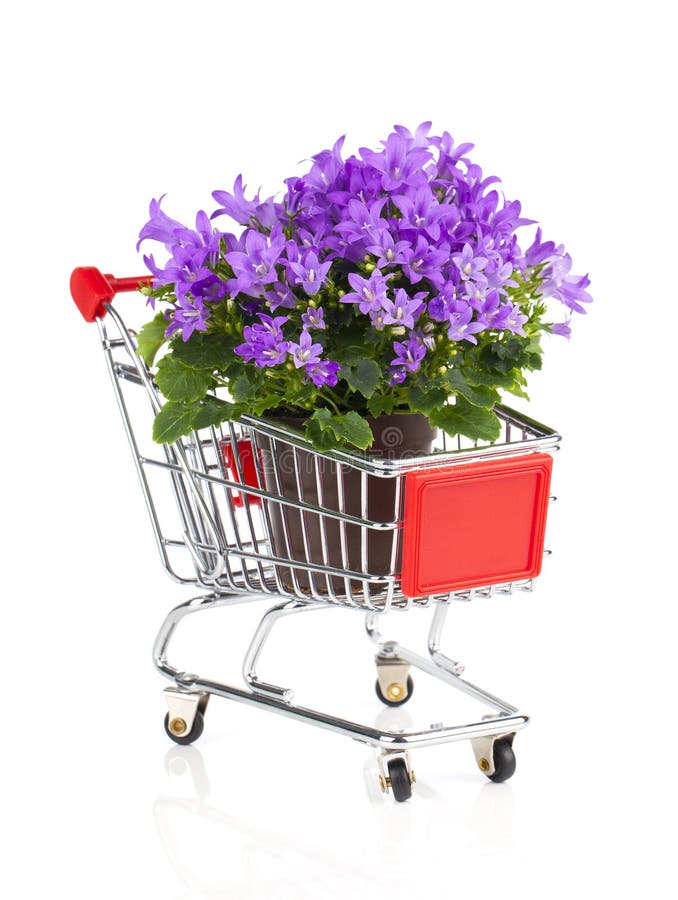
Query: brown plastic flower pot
{"points": [[320, 540]]}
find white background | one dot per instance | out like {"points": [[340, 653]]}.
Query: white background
{"points": [[106, 106]]}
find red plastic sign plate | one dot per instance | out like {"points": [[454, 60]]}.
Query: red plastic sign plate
{"points": [[474, 525], [247, 464]]}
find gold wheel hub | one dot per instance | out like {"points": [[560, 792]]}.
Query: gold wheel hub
{"points": [[395, 691], [178, 726]]}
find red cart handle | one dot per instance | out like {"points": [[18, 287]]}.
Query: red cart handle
{"points": [[90, 290]]}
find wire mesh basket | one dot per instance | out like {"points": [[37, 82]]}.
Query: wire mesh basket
{"points": [[257, 509]]}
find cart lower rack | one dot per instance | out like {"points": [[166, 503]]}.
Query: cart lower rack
{"points": [[250, 511]]}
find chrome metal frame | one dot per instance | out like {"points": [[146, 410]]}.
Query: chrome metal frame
{"points": [[505, 720], [216, 534]]}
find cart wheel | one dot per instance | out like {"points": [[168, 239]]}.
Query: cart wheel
{"points": [[400, 779], [395, 702], [186, 737], [504, 761]]}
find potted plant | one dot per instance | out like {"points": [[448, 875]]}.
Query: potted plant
{"points": [[383, 289]]}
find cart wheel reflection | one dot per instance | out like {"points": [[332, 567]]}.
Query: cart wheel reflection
{"points": [[399, 696], [176, 729], [504, 761], [400, 779]]}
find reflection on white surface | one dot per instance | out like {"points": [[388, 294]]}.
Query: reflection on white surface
{"points": [[323, 843], [254, 860]]}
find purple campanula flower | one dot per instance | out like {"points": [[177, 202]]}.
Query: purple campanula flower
{"points": [[243, 211], [409, 354], [377, 318], [368, 293], [313, 238], [398, 163], [160, 227], [362, 222], [264, 343], [314, 317], [440, 306], [323, 373], [559, 284], [497, 274], [468, 264], [562, 328], [539, 252], [208, 286], [424, 260], [327, 166], [305, 353], [425, 335], [280, 294], [492, 313], [421, 211], [310, 272], [403, 310], [255, 265], [264, 350], [461, 327], [475, 291], [419, 138], [253, 306], [187, 316], [388, 251], [515, 319], [271, 324]]}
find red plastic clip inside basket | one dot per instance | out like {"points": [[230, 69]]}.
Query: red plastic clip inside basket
{"points": [[474, 525], [245, 455]]}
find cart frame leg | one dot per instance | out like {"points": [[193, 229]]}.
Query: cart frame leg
{"points": [[195, 689]]}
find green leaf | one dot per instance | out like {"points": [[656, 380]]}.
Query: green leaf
{"points": [[181, 383], [328, 431], [322, 438], [425, 399], [205, 351], [213, 411], [173, 421], [151, 338], [263, 403], [517, 390], [354, 429], [246, 386], [492, 379], [349, 353], [362, 376], [477, 395], [463, 418], [381, 404]]}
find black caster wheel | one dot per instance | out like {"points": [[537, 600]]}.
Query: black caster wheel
{"points": [[176, 729], [504, 761], [396, 696], [400, 779]]}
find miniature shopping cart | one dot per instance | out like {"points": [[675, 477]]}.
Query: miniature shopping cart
{"points": [[250, 511]]}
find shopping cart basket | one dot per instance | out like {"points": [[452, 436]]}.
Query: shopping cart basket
{"points": [[250, 511]]}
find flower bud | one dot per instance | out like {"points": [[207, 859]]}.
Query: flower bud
{"points": [[442, 370], [398, 329]]}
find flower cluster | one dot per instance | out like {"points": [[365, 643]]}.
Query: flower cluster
{"points": [[405, 256]]}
